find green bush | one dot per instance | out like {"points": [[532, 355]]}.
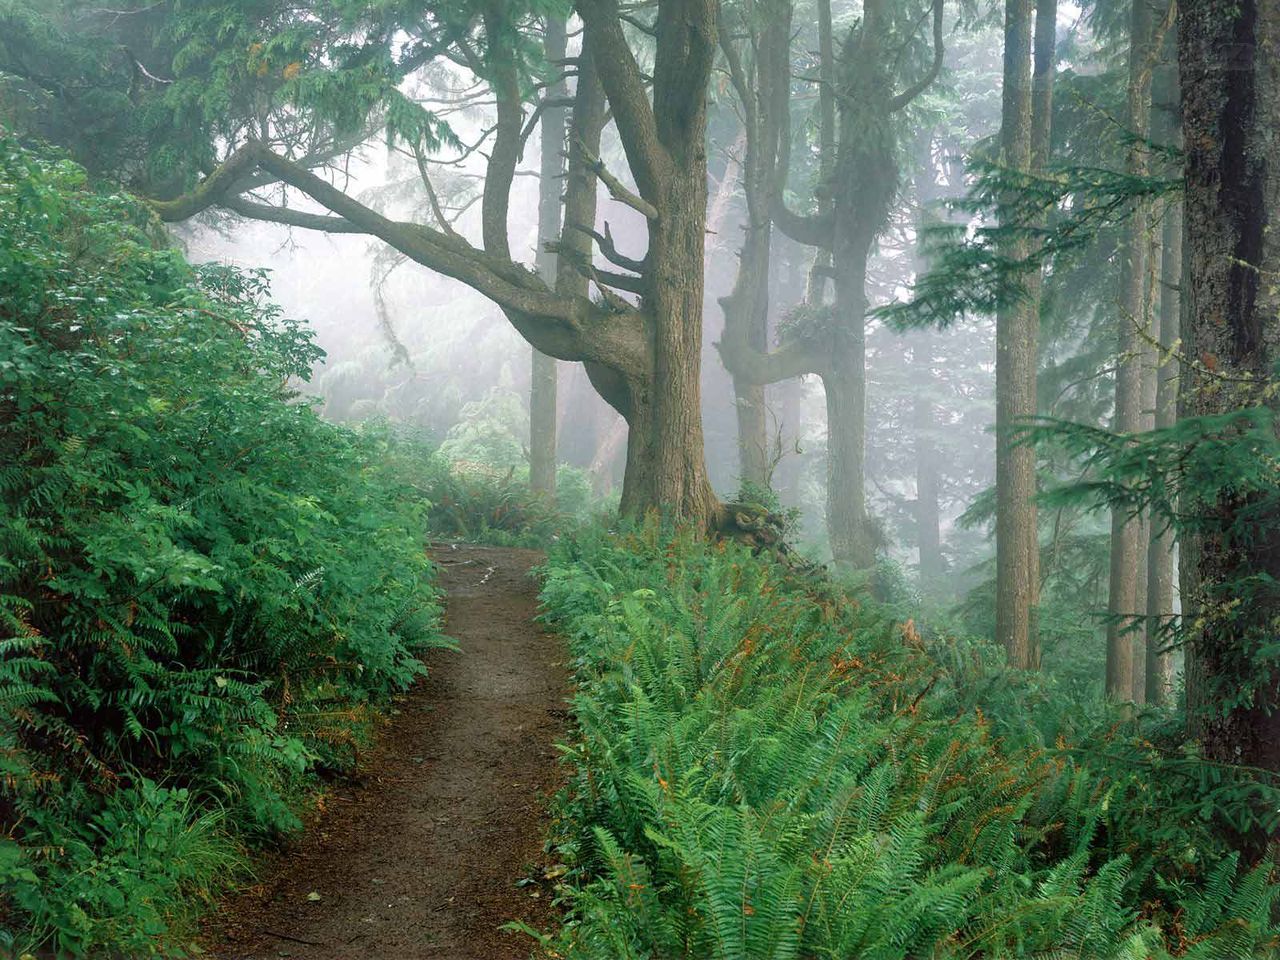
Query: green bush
{"points": [[203, 586], [765, 768]]}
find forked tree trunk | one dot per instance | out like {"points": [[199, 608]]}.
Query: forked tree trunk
{"points": [[1231, 323], [542, 383], [763, 82], [665, 143], [1017, 330]]}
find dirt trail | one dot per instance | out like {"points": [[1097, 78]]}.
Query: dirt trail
{"points": [[419, 857]]}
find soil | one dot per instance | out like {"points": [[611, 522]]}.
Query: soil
{"points": [[419, 855]]}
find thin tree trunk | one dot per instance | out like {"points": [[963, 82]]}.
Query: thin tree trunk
{"points": [[815, 290], [763, 84], [1159, 661], [923, 420], [1128, 546], [1231, 323], [542, 383], [928, 511], [1016, 353]]}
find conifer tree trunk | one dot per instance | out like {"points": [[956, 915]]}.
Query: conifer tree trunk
{"points": [[928, 511], [1158, 667], [1159, 661], [816, 288], [923, 419], [542, 383], [854, 207], [1016, 351], [1231, 324], [665, 144], [1128, 546]]}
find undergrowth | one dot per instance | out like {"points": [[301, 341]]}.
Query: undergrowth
{"points": [[479, 503], [205, 589], [765, 768]]}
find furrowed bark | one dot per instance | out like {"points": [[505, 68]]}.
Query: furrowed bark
{"points": [[665, 143], [1231, 323]]}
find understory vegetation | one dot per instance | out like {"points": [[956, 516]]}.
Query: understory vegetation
{"points": [[475, 501], [206, 591], [767, 768]]}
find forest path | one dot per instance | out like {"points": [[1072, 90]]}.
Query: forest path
{"points": [[418, 857]]}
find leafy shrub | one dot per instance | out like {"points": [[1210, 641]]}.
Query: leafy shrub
{"points": [[767, 769], [203, 586]]}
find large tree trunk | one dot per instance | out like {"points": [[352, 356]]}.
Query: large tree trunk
{"points": [[665, 144], [845, 383], [1017, 329], [665, 466], [1231, 323], [542, 383], [1126, 605]]}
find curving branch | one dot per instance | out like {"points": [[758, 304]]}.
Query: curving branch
{"points": [[935, 68], [609, 250], [792, 359], [501, 66], [214, 188], [581, 262], [252, 210], [812, 231], [563, 326]]}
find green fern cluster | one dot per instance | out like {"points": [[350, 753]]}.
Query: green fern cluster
{"points": [[766, 769], [203, 586]]}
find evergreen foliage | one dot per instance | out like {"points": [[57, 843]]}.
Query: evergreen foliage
{"points": [[766, 768], [204, 588]]}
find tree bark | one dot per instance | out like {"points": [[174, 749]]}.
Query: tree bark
{"points": [[542, 382], [1126, 608], [1017, 329], [1159, 660], [864, 183], [1231, 323], [665, 143]]}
